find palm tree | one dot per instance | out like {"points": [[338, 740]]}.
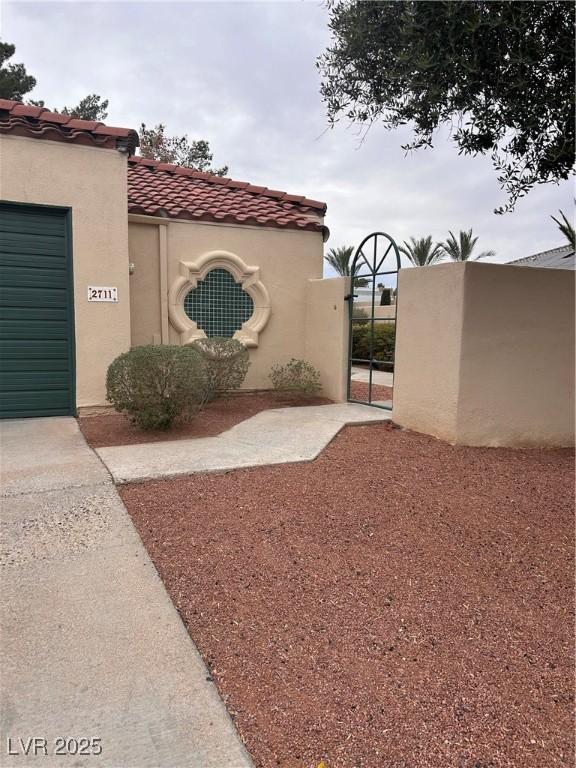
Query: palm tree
{"points": [[339, 260], [421, 252], [567, 229], [461, 250]]}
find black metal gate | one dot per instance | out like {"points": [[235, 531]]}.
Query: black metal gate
{"points": [[372, 335]]}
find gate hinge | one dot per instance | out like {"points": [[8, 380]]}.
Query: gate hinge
{"points": [[351, 296]]}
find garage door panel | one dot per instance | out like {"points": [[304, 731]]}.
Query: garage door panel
{"points": [[31, 349], [35, 257], [35, 364], [34, 330], [36, 313], [18, 298], [31, 261], [16, 381], [22, 223], [9, 412], [49, 246], [20, 276], [26, 279], [16, 405]]}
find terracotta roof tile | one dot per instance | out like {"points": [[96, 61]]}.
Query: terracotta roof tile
{"points": [[37, 122], [84, 125], [156, 189], [24, 110], [54, 117]]}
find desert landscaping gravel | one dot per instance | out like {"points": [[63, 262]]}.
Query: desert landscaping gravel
{"points": [[361, 391], [397, 603]]}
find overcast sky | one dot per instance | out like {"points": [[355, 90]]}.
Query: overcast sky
{"points": [[243, 76]]}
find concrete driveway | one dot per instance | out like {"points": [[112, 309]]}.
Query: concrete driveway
{"points": [[95, 662]]}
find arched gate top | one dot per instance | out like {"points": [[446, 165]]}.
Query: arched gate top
{"points": [[378, 252]]}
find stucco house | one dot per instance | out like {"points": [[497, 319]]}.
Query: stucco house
{"points": [[102, 250]]}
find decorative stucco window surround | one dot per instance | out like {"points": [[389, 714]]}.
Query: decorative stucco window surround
{"points": [[192, 272]]}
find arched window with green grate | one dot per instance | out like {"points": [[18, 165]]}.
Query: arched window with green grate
{"points": [[218, 304]]}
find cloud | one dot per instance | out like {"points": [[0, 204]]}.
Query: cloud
{"points": [[243, 76]]}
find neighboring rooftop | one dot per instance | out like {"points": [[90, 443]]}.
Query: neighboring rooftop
{"points": [[162, 189], [555, 258], [19, 119]]}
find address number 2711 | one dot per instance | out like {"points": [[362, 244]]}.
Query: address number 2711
{"points": [[100, 293]]}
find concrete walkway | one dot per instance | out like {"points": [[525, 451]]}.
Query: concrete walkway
{"points": [[91, 645], [276, 436], [381, 378]]}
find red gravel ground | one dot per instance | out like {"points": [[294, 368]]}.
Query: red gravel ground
{"points": [[218, 416], [359, 391], [397, 603]]}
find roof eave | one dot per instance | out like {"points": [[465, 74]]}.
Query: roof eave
{"points": [[162, 215]]}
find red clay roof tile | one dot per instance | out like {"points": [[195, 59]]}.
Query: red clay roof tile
{"points": [[54, 117], [37, 122], [83, 125], [24, 110], [156, 189]]}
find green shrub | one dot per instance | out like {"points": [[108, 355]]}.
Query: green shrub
{"points": [[296, 377], [383, 343], [156, 384], [227, 362]]}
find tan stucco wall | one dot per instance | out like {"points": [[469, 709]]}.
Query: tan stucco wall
{"points": [[327, 333], [485, 354], [145, 284], [93, 183], [287, 260], [427, 364], [517, 357]]}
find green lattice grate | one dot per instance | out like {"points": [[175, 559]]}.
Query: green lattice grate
{"points": [[218, 305]]}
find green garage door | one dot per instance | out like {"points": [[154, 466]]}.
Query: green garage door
{"points": [[36, 313]]}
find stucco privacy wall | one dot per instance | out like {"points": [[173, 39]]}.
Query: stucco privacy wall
{"points": [[427, 362], [327, 333], [287, 259], [91, 181], [517, 363], [513, 366]]}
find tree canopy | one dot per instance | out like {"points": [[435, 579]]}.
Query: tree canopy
{"points": [[422, 252], [156, 145], [500, 75], [91, 107], [15, 82], [462, 248], [339, 259]]}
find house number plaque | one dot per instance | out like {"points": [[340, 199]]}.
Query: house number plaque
{"points": [[101, 293]]}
